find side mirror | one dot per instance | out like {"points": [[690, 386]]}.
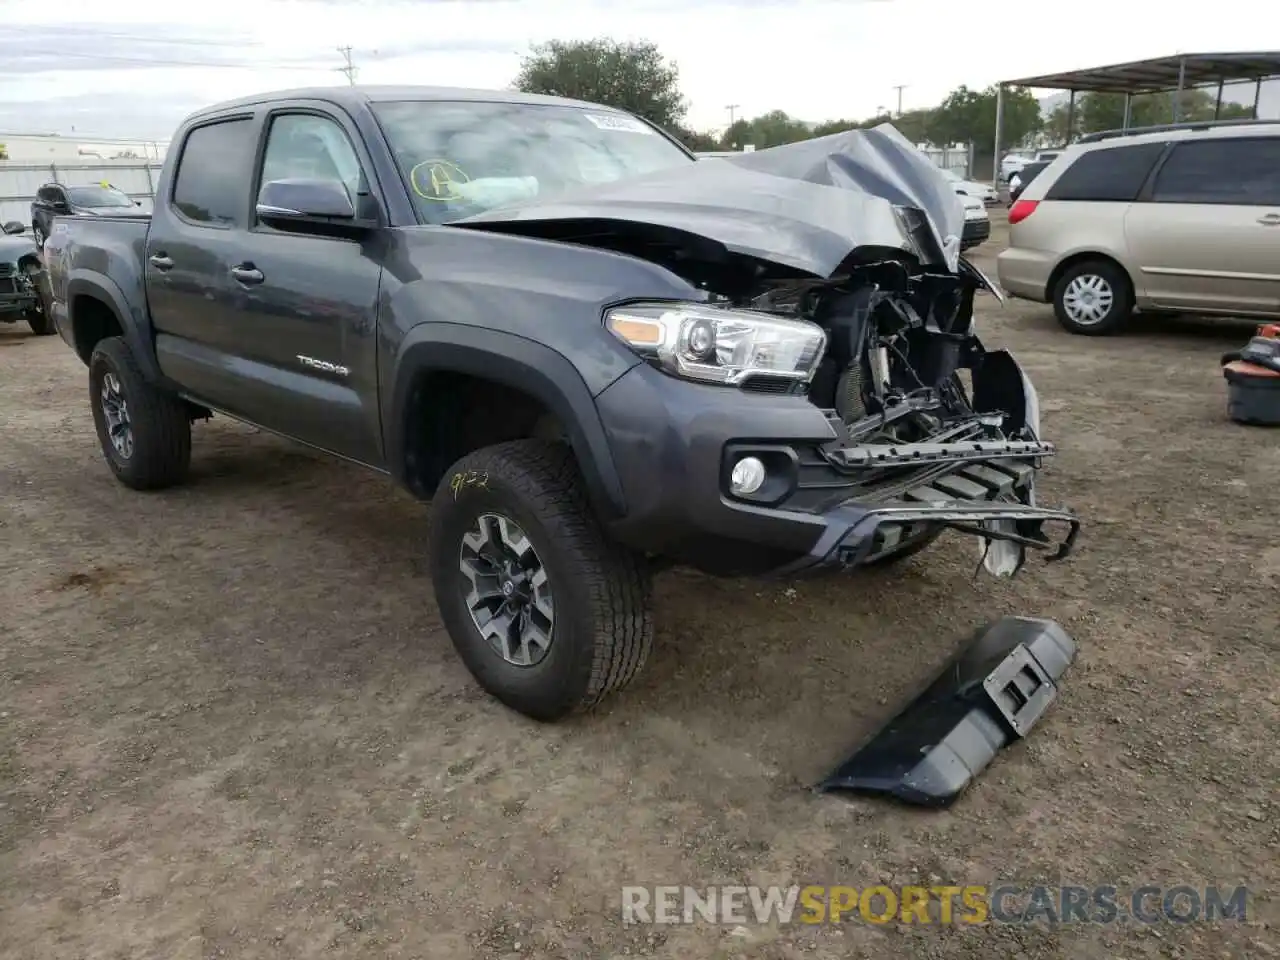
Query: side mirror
{"points": [[14, 227], [297, 201]]}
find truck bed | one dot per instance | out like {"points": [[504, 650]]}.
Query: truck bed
{"points": [[99, 247]]}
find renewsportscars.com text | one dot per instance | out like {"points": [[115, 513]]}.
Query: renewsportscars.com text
{"points": [[939, 904]]}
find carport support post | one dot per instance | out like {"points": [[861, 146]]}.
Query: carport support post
{"points": [[1257, 95], [1128, 111], [1177, 96], [995, 147], [1217, 106], [1071, 118]]}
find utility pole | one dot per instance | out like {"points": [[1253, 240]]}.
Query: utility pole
{"points": [[350, 70], [731, 108], [900, 87]]}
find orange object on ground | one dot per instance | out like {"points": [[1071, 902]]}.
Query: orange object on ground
{"points": [[1243, 368]]}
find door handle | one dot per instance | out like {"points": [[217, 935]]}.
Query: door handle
{"points": [[247, 273], [1270, 220], [160, 261]]}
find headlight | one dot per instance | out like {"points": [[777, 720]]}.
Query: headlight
{"points": [[717, 344]]}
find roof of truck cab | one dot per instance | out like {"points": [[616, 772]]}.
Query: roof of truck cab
{"points": [[352, 96]]}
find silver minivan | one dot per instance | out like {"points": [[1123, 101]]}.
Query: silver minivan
{"points": [[1183, 219]]}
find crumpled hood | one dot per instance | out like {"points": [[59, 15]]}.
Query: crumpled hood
{"points": [[805, 205]]}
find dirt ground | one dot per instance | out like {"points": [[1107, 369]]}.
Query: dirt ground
{"points": [[231, 724]]}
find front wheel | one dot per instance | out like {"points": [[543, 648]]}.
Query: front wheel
{"points": [[145, 432], [39, 317], [1093, 298], [546, 612]]}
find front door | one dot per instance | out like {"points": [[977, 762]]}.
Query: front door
{"points": [[309, 303]]}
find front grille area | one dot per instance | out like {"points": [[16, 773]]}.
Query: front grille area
{"points": [[774, 385]]}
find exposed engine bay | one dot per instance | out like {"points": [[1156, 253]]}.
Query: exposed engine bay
{"points": [[911, 434]]}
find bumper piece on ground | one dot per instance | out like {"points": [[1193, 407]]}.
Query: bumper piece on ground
{"points": [[990, 694]]}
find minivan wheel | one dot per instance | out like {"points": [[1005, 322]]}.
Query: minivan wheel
{"points": [[546, 612], [1093, 298]]}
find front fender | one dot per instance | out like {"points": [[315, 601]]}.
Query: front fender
{"points": [[516, 362]]}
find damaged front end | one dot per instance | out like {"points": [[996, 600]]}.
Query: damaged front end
{"points": [[831, 269], [917, 450]]}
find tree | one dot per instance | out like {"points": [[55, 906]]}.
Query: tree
{"points": [[969, 116], [696, 140], [630, 76], [770, 129], [1105, 111]]}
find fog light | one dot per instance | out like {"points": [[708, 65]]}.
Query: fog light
{"points": [[747, 477]]}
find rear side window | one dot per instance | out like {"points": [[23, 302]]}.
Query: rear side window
{"points": [[1242, 172], [1114, 175], [213, 173]]}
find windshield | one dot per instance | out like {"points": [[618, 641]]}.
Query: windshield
{"points": [[98, 197], [463, 158]]}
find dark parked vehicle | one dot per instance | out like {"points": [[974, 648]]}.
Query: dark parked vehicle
{"points": [[591, 353], [1018, 182], [23, 285], [59, 200]]}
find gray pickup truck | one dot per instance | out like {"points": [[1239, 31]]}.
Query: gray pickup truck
{"points": [[591, 353]]}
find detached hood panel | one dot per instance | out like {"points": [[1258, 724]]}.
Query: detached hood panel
{"points": [[805, 205]]}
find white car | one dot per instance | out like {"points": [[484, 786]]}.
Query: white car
{"points": [[977, 224], [1011, 164], [972, 188]]}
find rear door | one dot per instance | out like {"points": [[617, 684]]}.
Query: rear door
{"points": [[1207, 236], [193, 242]]}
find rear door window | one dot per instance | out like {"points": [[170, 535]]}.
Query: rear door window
{"points": [[1242, 172], [1114, 175], [211, 186]]}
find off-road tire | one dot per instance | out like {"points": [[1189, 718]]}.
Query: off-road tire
{"points": [[602, 595], [40, 321], [161, 429], [1121, 303]]}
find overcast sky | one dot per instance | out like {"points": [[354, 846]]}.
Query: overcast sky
{"points": [[134, 67]]}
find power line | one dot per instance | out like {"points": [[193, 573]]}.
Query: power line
{"points": [[350, 70], [65, 32], [157, 62], [900, 87]]}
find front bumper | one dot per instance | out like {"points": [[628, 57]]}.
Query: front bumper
{"points": [[975, 232], [674, 443], [17, 296]]}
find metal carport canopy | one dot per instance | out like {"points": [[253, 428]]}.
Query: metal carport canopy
{"points": [[1180, 72]]}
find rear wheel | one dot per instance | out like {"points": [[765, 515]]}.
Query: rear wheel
{"points": [[1093, 298], [547, 613], [37, 234], [145, 432]]}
